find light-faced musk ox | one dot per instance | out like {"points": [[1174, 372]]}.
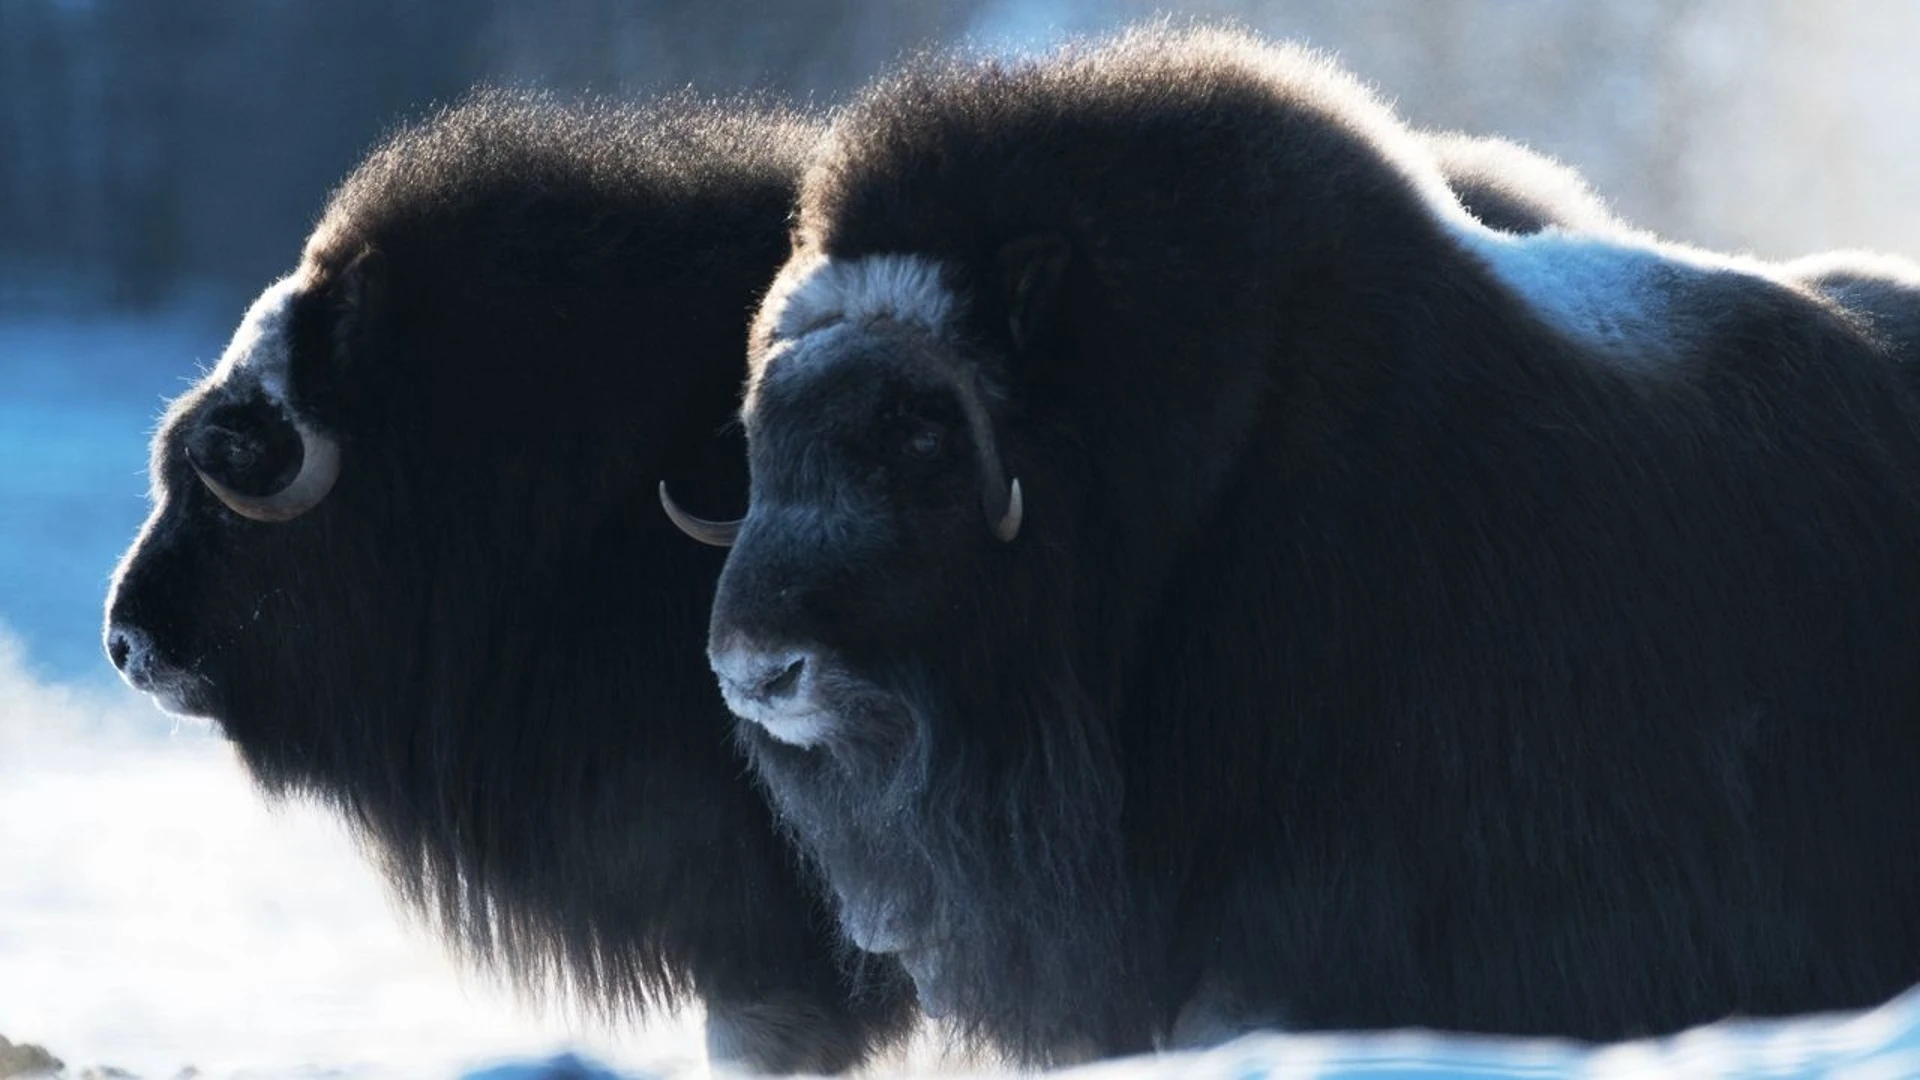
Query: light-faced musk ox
{"points": [[1197, 577], [405, 550]]}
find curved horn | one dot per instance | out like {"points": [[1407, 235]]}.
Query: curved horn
{"points": [[319, 468], [1000, 499], [717, 533], [1008, 526]]}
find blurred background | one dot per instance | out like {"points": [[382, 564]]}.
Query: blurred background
{"points": [[160, 163]]}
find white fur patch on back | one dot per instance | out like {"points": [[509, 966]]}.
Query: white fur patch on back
{"points": [[262, 347], [814, 293], [1624, 293]]}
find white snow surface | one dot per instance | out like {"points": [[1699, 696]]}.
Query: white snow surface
{"points": [[156, 912]]}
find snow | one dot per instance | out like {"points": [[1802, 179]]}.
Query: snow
{"points": [[156, 912]]}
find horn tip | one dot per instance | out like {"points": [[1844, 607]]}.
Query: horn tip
{"points": [[1008, 526]]}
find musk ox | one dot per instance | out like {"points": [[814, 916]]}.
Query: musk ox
{"points": [[405, 551], [1196, 577]]}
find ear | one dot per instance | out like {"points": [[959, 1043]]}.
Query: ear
{"points": [[1030, 271]]}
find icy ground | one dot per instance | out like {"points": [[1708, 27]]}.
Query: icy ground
{"points": [[156, 913]]}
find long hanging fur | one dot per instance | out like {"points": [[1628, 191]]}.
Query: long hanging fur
{"points": [[1411, 623], [483, 646]]}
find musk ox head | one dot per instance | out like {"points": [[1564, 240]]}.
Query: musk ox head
{"points": [[899, 626], [403, 551], [877, 418], [244, 451]]}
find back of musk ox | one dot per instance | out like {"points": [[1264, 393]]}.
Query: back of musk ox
{"points": [[1198, 577], [1513, 189], [405, 551]]}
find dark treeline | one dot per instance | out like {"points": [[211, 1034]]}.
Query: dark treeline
{"points": [[143, 145], [147, 145]]}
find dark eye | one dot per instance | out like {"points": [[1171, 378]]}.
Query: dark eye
{"points": [[924, 443]]}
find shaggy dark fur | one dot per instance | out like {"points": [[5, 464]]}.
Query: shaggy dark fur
{"points": [[1388, 640], [484, 646], [1882, 292]]}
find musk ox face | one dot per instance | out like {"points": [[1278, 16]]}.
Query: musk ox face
{"points": [[237, 464], [879, 498], [897, 624], [284, 583], [317, 499]]}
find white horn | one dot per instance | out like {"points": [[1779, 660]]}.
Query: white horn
{"points": [[1008, 526], [319, 468], [715, 533]]}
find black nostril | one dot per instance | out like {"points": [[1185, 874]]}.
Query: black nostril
{"points": [[117, 649], [785, 680]]}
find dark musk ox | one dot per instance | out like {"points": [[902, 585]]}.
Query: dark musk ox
{"points": [[1198, 577], [405, 551]]}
